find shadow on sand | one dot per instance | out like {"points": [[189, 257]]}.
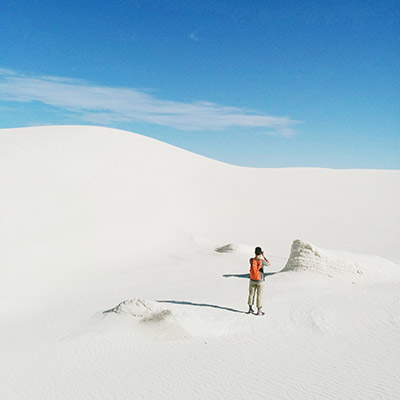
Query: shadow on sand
{"points": [[246, 276], [189, 303]]}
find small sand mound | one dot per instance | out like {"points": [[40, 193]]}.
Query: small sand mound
{"points": [[151, 321], [305, 256], [139, 308]]}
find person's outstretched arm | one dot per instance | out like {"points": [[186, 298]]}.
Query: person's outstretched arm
{"points": [[268, 263]]}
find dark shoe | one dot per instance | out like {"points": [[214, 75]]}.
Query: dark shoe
{"points": [[251, 311], [260, 313]]}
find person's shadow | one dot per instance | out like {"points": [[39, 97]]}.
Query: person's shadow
{"points": [[189, 303], [246, 276]]}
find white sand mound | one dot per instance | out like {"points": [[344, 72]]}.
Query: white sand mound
{"points": [[305, 256], [147, 311], [150, 321], [138, 308]]}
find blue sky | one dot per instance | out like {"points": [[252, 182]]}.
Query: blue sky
{"points": [[279, 83]]}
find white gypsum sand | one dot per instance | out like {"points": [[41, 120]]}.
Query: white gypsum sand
{"points": [[112, 287]]}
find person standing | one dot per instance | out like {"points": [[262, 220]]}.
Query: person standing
{"points": [[256, 284]]}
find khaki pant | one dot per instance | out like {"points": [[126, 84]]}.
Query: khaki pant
{"points": [[253, 288]]}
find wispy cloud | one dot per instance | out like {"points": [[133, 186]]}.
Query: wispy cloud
{"points": [[115, 104], [195, 36]]}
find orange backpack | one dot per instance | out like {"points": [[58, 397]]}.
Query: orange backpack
{"points": [[256, 270]]}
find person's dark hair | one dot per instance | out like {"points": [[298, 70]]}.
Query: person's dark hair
{"points": [[258, 251]]}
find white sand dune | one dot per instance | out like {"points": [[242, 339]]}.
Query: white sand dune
{"points": [[112, 287]]}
